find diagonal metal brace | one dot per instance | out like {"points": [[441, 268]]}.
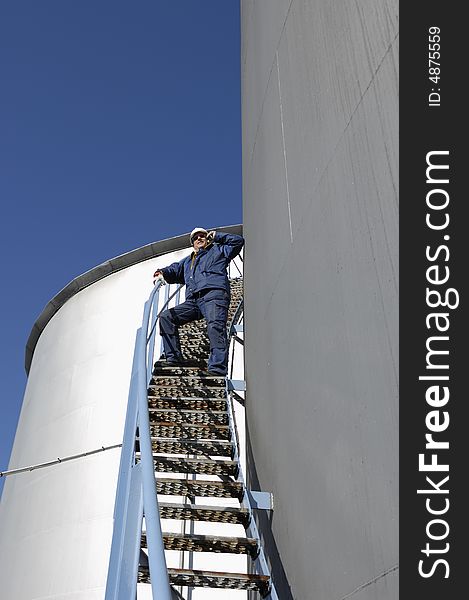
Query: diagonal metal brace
{"points": [[235, 329]]}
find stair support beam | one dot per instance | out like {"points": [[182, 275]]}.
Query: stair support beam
{"points": [[238, 385]]}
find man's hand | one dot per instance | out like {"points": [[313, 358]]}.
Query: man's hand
{"points": [[158, 277], [210, 236]]}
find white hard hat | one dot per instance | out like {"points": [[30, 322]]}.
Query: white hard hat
{"points": [[197, 230]]}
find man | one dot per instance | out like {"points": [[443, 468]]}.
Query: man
{"points": [[207, 295]]}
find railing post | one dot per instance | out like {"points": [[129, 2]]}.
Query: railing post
{"points": [[151, 341]]}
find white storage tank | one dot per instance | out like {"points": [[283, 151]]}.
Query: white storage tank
{"points": [[56, 523]]}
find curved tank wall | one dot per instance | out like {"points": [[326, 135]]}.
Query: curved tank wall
{"points": [[320, 212], [56, 523]]}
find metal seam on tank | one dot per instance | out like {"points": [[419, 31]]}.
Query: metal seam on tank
{"points": [[339, 141], [333, 153], [251, 157], [284, 148], [370, 582]]}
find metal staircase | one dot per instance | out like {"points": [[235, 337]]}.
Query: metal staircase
{"points": [[198, 477]]}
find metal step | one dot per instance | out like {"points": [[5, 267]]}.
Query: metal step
{"points": [[195, 380], [195, 417], [212, 579], [198, 487], [199, 512], [176, 464], [165, 402], [174, 430], [194, 329], [194, 340], [176, 390], [201, 343], [208, 543], [186, 392], [198, 354], [189, 368], [197, 447], [190, 342], [162, 368]]}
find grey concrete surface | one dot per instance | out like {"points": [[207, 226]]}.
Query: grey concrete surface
{"points": [[320, 201]]}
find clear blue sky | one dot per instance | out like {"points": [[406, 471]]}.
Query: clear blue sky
{"points": [[119, 125]]}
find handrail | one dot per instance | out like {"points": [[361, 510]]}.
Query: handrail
{"points": [[156, 556], [162, 308], [136, 493]]}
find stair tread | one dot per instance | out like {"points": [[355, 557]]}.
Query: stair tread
{"points": [[189, 425], [188, 416], [186, 402], [190, 446], [187, 386], [184, 411], [202, 461], [215, 579], [217, 538], [201, 512], [195, 384], [190, 430], [189, 377], [191, 441], [199, 487], [206, 466], [208, 543], [168, 397], [175, 391]]}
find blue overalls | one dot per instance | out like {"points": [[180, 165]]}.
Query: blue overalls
{"points": [[207, 295]]}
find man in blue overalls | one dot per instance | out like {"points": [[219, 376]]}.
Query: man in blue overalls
{"points": [[207, 295]]}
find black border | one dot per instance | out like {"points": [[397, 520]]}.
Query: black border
{"points": [[425, 128]]}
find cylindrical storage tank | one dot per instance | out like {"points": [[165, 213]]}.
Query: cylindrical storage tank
{"points": [[56, 523], [320, 212]]}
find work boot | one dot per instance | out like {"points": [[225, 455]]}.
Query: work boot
{"points": [[211, 373]]}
